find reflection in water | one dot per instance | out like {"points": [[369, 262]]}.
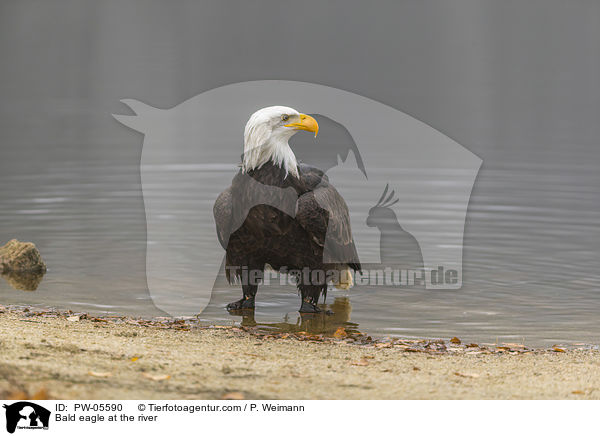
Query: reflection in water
{"points": [[28, 281], [334, 316]]}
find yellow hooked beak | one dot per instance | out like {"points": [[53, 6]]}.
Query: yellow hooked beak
{"points": [[306, 123]]}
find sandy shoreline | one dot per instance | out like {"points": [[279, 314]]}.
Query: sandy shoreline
{"points": [[75, 356]]}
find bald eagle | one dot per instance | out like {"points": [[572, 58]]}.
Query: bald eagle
{"points": [[283, 214]]}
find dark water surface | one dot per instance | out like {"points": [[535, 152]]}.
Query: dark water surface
{"points": [[531, 258]]}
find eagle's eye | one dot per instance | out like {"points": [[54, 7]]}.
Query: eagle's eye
{"points": [[285, 117]]}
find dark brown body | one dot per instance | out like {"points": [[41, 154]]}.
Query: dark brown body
{"points": [[289, 223]]}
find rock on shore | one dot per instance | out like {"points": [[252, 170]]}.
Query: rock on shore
{"points": [[21, 257]]}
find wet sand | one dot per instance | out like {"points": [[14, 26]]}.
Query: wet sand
{"points": [[78, 357]]}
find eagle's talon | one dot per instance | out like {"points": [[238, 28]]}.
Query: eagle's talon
{"points": [[244, 303], [309, 308]]}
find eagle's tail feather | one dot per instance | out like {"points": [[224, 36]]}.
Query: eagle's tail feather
{"points": [[346, 281]]}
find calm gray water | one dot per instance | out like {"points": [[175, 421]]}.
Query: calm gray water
{"points": [[530, 260]]}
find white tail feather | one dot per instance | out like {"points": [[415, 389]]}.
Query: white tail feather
{"points": [[346, 281]]}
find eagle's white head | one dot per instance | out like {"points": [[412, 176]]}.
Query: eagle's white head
{"points": [[267, 134]]}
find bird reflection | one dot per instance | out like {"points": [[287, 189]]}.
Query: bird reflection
{"points": [[332, 317]]}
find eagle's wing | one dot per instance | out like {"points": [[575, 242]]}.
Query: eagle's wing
{"points": [[310, 176], [223, 211], [323, 213]]}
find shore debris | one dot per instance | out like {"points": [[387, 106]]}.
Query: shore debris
{"points": [[100, 374], [340, 333], [233, 396], [466, 375], [341, 336], [20, 395], [156, 377]]}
